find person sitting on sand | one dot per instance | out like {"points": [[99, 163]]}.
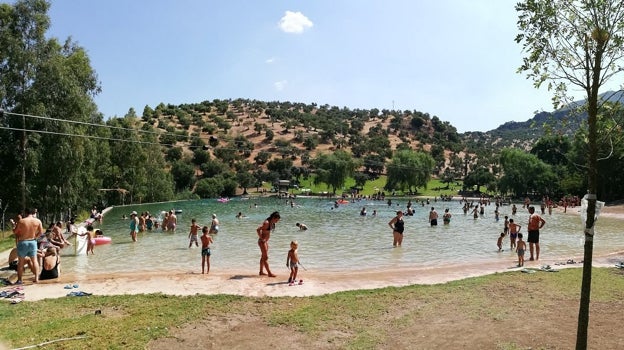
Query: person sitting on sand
{"points": [[50, 268], [57, 235]]}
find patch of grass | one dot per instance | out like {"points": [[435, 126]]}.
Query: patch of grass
{"points": [[7, 241], [435, 187], [359, 319]]}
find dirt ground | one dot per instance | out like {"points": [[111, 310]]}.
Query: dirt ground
{"points": [[542, 320]]}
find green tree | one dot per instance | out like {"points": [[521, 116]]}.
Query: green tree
{"points": [[40, 76], [409, 170], [209, 187], [524, 173], [183, 174], [479, 177], [579, 43], [334, 169]]}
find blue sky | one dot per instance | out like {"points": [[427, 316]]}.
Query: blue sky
{"points": [[454, 59]]}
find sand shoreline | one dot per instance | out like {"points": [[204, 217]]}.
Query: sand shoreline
{"points": [[248, 283]]}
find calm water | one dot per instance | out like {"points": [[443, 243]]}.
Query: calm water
{"points": [[337, 239]]}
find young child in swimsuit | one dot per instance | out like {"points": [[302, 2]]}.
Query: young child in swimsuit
{"points": [[90, 239], [520, 248], [193, 233], [514, 229], [499, 242], [292, 261], [206, 241]]}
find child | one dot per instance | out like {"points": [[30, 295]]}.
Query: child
{"points": [[499, 242], [206, 241], [520, 248], [292, 261], [90, 239], [302, 227], [193, 234], [514, 229]]}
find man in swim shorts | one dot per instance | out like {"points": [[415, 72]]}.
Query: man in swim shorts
{"points": [[433, 217], [26, 232], [535, 224], [513, 233]]}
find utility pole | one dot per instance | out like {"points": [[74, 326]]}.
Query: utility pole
{"points": [[23, 163]]}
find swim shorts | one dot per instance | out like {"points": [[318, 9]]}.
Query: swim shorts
{"points": [[533, 236], [27, 248], [205, 251], [520, 252]]}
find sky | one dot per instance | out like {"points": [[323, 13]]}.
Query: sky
{"points": [[454, 59]]}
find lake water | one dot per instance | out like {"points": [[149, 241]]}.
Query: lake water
{"points": [[338, 239]]}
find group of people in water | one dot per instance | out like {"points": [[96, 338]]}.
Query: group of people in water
{"points": [[39, 249]]}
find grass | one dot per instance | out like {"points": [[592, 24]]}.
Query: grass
{"points": [[7, 241], [435, 187], [363, 318]]}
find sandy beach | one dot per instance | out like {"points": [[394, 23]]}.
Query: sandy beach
{"points": [[248, 283]]}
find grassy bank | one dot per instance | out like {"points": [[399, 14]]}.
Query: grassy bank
{"points": [[435, 187], [501, 311]]}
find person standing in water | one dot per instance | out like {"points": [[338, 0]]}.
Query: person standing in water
{"points": [[134, 226], [214, 225], [433, 217], [264, 233], [205, 252], [535, 224], [398, 226], [446, 218]]}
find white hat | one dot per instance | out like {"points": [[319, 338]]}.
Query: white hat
{"points": [[133, 213]]}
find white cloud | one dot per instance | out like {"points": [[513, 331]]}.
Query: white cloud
{"points": [[280, 85], [294, 22], [270, 60]]}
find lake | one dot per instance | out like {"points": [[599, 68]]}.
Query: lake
{"points": [[338, 239]]}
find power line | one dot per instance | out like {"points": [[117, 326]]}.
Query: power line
{"points": [[84, 136]]}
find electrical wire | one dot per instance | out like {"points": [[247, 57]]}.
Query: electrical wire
{"points": [[365, 163], [84, 136]]}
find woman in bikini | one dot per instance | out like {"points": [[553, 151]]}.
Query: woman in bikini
{"points": [[264, 233]]}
